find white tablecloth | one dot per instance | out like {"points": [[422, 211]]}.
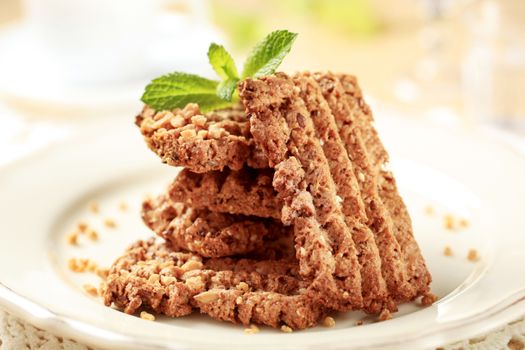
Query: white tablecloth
{"points": [[19, 335]]}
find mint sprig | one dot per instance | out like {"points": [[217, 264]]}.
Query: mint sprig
{"points": [[222, 62], [267, 55], [177, 89]]}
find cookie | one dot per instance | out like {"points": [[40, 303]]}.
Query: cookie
{"points": [[417, 271], [245, 192], [200, 142], [209, 234], [379, 220], [154, 276], [283, 128], [375, 295]]}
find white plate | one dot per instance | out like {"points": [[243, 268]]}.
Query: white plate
{"points": [[466, 174]]}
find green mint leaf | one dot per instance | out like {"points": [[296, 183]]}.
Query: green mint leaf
{"points": [[268, 54], [222, 62], [177, 89], [226, 88]]}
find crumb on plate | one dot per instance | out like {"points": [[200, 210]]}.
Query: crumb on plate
{"points": [[447, 251], [110, 223], [428, 299], [385, 315], [93, 207], [328, 321], [82, 226], [147, 316], [90, 289], [72, 238], [359, 322], [77, 265], [252, 330], [429, 210], [123, 206], [449, 222], [81, 265], [464, 223], [91, 266], [472, 255], [102, 273], [92, 235], [286, 329]]}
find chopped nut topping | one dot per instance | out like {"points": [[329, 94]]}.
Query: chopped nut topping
{"points": [[361, 176], [202, 134], [243, 286], [90, 289], [252, 330], [147, 316], [177, 121], [215, 132], [447, 251], [93, 207], [195, 282], [328, 321], [188, 133], [385, 315], [198, 120], [110, 223], [473, 255], [207, 297], [286, 329], [192, 265], [167, 280], [428, 299]]}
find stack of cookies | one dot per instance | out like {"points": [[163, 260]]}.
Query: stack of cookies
{"points": [[284, 212]]}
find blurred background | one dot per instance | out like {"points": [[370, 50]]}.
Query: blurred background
{"points": [[63, 63]]}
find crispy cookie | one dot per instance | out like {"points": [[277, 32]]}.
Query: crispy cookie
{"points": [[209, 234], [417, 271], [200, 142], [155, 276], [282, 126], [375, 296], [379, 220], [246, 192]]}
